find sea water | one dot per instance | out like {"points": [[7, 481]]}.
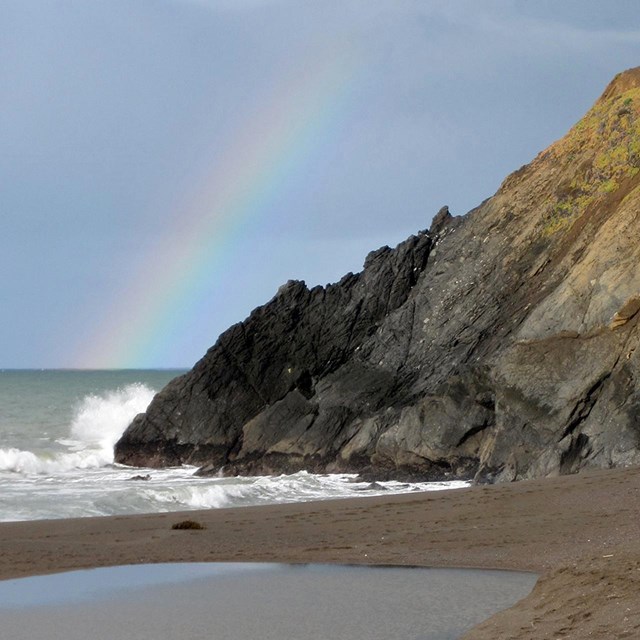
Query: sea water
{"points": [[57, 432], [256, 602]]}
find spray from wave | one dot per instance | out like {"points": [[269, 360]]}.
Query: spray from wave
{"points": [[99, 421], [97, 424]]}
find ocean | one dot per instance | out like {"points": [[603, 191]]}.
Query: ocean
{"points": [[57, 432]]}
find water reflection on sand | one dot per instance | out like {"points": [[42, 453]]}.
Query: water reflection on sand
{"points": [[225, 601]]}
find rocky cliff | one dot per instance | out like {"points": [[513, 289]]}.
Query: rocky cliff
{"points": [[499, 345]]}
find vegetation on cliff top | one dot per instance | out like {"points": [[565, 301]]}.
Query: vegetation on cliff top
{"points": [[603, 149]]}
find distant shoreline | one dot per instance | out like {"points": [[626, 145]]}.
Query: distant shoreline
{"points": [[582, 533]]}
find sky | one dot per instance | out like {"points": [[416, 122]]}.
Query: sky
{"points": [[165, 165]]}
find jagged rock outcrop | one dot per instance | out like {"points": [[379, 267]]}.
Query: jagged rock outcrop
{"points": [[500, 345]]}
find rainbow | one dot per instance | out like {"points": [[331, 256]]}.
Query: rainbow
{"points": [[300, 113]]}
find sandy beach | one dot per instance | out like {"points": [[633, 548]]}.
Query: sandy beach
{"points": [[580, 533]]}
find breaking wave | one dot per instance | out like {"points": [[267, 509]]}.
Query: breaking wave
{"points": [[97, 424], [249, 491]]}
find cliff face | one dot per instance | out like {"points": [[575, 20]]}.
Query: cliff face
{"points": [[501, 344]]}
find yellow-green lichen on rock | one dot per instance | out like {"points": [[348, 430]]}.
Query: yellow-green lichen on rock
{"points": [[599, 154]]}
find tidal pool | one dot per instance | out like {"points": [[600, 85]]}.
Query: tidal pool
{"points": [[237, 601]]}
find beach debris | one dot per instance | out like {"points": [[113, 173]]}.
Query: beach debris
{"points": [[188, 524]]}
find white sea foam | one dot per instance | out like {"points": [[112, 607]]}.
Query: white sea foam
{"points": [[28, 463], [198, 495], [172, 492], [98, 422]]}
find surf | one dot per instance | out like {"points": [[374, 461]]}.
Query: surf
{"points": [[98, 421]]}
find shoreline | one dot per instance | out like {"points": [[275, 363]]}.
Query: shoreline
{"points": [[580, 533]]}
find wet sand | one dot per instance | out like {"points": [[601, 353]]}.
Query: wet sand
{"points": [[581, 533]]}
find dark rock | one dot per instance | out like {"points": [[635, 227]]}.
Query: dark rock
{"points": [[440, 221], [499, 345], [140, 477], [373, 486]]}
